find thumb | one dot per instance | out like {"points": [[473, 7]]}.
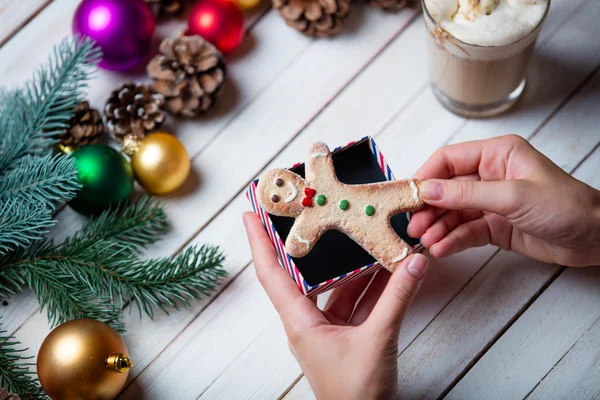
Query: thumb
{"points": [[404, 283], [499, 197]]}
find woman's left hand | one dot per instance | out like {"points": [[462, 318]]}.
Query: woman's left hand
{"points": [[349, 350]]}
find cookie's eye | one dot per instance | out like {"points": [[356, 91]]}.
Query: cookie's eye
{"points": [[275, 198], [279, 182]]}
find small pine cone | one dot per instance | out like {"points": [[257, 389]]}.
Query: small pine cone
{"points": [[133, 108], [164, 8], [85, 127], [317, 18], [189, 72], [6, 395], [393, 5]]}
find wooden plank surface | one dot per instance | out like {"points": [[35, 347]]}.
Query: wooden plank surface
{"points": [[414, 119], [236, 367], [14, 15], [577, 375], [50, 24], [286, 91], [544, 333], [498, 293]]}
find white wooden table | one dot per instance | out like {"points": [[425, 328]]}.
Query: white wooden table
{"points": [[486, 323]]}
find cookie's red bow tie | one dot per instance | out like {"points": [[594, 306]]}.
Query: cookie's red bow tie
{"points": [[309, 193]]}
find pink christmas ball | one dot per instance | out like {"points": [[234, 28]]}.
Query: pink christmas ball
{"points": [[123, 29]]}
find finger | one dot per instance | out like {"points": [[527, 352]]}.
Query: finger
{"points": [[452, 160], [489, 158], [368, 301], [342, 301], [291, 305], [440, 228], [500, 197], [472, 234], [397, 296], [423, 219], [446, 224]]}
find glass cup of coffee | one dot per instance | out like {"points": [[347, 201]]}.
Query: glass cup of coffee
{"points": [[479, 51]]}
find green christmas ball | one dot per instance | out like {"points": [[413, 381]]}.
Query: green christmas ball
{"points": [[105, 176]]}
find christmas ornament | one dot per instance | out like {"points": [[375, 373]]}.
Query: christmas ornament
{"points": [[189, 72], [105, 177], [123, 29], [246, 5], [316, 18], [83, 359], [84, 128], [133, 109], [219, 21], [160, 162], [164, 8]]}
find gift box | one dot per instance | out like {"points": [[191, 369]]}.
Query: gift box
{"points": [[335, 259]]}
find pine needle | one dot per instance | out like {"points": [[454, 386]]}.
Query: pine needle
{"points": [[21, 223], [42, 180], [15, 374], [33, 116]]}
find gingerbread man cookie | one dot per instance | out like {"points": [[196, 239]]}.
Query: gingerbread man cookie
{"points": [[321, 202]]}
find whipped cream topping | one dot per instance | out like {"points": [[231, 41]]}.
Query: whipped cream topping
{"points": [[488, 22]]}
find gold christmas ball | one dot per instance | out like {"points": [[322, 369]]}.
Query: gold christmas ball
{"points": [[160, 163], [246, 5], [83, 359]]}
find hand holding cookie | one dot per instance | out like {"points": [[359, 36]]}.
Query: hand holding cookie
{"points": [[320, 202], [504, 192]]}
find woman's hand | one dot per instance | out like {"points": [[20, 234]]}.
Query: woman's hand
{"points": [[504, 192], [348, 351]]}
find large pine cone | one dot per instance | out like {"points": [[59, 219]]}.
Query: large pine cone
{"points": [[164, 8], [133, 108], [85, 127], [189, 72], [393, 5], [317, 18]]}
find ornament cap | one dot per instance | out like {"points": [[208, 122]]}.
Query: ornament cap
{"points": [[130, 145], [65, 149], [118, 362]]}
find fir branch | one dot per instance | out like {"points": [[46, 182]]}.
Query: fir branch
{"points": [[21, 223], [156, 283], [66, 298], [15, 373], [99, 266], [43, 108], [131, 227], [41, 180]]}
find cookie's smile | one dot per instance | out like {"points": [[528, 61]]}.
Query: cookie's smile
{"points": [[293, 194]]}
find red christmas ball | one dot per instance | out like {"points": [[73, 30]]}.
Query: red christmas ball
{"points": [[219, 21]]}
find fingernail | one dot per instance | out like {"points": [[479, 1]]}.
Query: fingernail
{"points": [[431, 190], [417, 266]]}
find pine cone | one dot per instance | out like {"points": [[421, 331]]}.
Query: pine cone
{"points": [[6, 395], [164, 8], [133, 108], [318, 18], [393, 5], [84, 128], [189, 72]]}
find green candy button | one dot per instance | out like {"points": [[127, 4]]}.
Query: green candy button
{"points": [[321, 199], [369, 210], [344, 205]]}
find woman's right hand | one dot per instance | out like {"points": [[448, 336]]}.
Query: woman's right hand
{"points": [[504, 192]]}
